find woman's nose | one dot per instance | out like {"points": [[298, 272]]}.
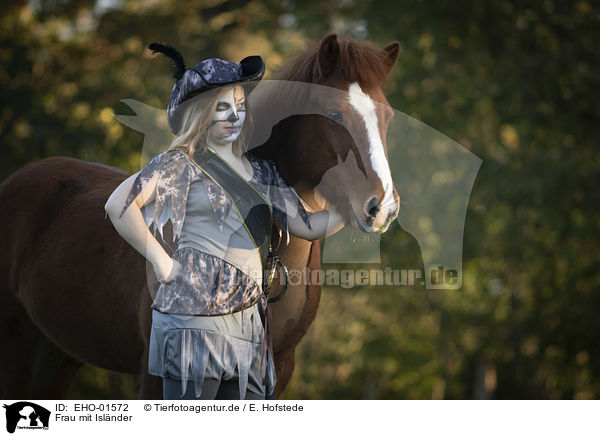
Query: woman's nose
{"points": [[233, 117]]}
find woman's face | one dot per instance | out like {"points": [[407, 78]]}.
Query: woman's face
{"points": [[228, 118]]}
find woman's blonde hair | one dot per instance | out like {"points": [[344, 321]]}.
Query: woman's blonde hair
{"points": [[195, 121]]}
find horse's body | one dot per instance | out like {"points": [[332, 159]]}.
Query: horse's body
{"points": [[74, 291]]}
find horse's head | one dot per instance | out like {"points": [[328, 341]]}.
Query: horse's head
{"points": [[353, 125]]}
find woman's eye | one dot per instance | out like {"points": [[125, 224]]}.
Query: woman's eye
{"points": [[222, 106], [335, 117]]}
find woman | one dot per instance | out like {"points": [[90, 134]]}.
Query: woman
{"points": [[207, 339]]}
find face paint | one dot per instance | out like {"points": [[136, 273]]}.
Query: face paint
{"points": [[228, 118]]}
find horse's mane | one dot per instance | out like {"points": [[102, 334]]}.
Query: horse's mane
{"points": [[359, 61]]}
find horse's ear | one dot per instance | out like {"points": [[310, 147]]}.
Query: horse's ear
{"points": [[329, 54], [390, 53]]}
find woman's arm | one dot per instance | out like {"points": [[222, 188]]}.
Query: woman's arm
{"points": [[132, 227], [323, 223]]}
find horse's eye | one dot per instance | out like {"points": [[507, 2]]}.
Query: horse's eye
{"points": [[335, 117]]}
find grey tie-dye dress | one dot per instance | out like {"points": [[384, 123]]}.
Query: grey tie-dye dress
{"points": [[206, 322]]}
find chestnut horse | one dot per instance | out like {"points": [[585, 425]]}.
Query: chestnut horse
{"points": [[75, 292]]}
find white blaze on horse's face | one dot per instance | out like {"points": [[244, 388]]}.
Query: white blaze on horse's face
{"points": [[228, 118], [382, 209]]}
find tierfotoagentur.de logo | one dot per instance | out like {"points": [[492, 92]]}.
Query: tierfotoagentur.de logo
{"points": [[26, 415]]}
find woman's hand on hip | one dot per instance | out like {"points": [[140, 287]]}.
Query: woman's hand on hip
{"points": [[167, 271]]}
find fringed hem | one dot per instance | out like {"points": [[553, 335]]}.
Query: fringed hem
{"points": [[195, 354]]}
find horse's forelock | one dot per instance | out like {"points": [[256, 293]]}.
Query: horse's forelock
{"points": [[359, 61]]}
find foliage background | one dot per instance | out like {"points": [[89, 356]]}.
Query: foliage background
{"points": [[516, 82]]}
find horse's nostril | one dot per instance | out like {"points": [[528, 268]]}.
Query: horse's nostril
{"points": [[372, 207]]}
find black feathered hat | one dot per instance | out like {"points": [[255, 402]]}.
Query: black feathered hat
{"points": [[208, 74]]}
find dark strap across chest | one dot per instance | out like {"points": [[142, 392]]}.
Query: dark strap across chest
{"points": [[247, 202]]}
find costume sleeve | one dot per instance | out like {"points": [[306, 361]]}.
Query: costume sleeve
{"points": [[279, 192], [172, 189]]}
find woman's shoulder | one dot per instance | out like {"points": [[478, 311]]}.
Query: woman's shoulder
{"points": [[263, 168], [163, 158], [173, 154], [175, 176], [172, 161]]}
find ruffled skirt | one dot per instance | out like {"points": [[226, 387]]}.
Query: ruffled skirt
{"points": [[207, 285], [220, 347]]}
